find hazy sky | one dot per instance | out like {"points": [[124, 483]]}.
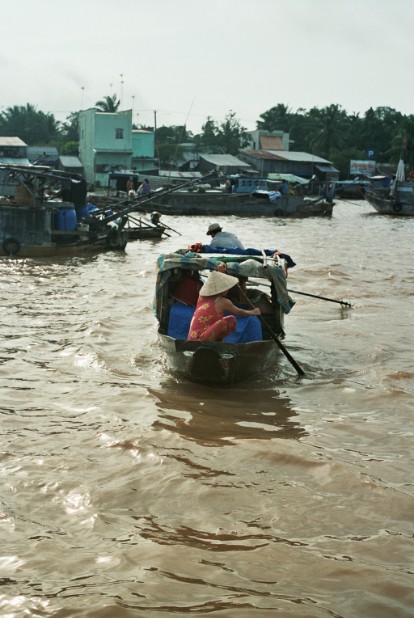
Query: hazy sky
{"points": [[190, 59]]}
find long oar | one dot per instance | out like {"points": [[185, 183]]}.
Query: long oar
{"points": [[275, 337], [331, 300], [170, 228]]}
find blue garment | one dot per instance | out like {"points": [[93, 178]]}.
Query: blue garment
{"points": [[284, 188], [208, 249], [274, 196], [226, 239]]}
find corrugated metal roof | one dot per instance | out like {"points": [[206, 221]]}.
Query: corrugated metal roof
{"points": [[67, 161], [288, 177], [302, 157], [287, 155], [327, 168], [177, 174], [262, 154], [224, 160], [11, 141], [10, 161], [40, 150]]}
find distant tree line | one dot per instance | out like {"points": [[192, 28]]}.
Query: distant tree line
{"points": [[381, 134]]}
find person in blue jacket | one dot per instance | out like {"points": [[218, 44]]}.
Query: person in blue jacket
{"points": [[223, 239]]}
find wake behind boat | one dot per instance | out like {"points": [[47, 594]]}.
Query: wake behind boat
{"points": [[251, 348]]}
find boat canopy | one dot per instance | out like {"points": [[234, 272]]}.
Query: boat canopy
{"points": [[260, 267]]}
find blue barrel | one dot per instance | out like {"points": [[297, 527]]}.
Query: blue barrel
{"points": [[82, 212], [66, 220]]}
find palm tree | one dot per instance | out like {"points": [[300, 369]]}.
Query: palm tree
{"points": [[108, 104], [330, 125], [30, 125], [276, 118]]}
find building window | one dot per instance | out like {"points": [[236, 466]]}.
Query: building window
{"points": [[119, 134]]}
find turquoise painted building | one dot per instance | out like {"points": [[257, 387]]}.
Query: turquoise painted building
{"points": [[105, 144], [143, 148]]}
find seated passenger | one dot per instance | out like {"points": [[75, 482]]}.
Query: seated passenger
{"points": [[209, 322]]}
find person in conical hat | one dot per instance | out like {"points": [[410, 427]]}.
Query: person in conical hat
{"points": [[209, 322]]}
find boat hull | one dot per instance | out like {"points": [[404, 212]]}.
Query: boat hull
{"points": [[141, 233], [386, 206], [218, 204], [30, 232], [218, 363], [56, 250]]}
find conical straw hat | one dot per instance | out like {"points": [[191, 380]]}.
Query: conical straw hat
{"points": [[218, 283]]}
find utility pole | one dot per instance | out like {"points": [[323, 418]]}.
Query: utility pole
{"points": [[122, 89], [155, 140]]}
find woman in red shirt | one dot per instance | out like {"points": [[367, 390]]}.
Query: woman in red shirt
{"points": [[209, 322]]}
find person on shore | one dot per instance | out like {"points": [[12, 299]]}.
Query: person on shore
{"points": [[144, 189], [393, 184], [219, 238], [209, 322], [130, 185], [284, 188]]}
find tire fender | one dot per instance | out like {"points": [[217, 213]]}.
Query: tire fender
{"points": [[11, 246]]}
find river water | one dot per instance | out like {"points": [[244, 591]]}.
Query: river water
{"points": [[126, 492]]}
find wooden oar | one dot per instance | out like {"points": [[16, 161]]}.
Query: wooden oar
{"points": [[171, 228], [331, 300], [274, 336]]}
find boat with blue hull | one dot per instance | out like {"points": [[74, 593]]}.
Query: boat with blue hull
{"points": [[47, 216]]}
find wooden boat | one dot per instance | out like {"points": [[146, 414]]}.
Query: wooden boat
{"points": [[193, 198], [252, 347], [137, 228], [396, 199], [351, 189], [47, 216], [256, 204]]}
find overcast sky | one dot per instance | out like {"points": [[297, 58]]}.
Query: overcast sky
{"points": [[190, 59]]}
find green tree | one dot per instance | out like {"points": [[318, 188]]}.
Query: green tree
{"points": [[228, 137], [70, 128], [174, 134], [32, 126], [208, 137], [231, 135], [330, 124], [275, 119], [402, 145], [108, 104]]}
